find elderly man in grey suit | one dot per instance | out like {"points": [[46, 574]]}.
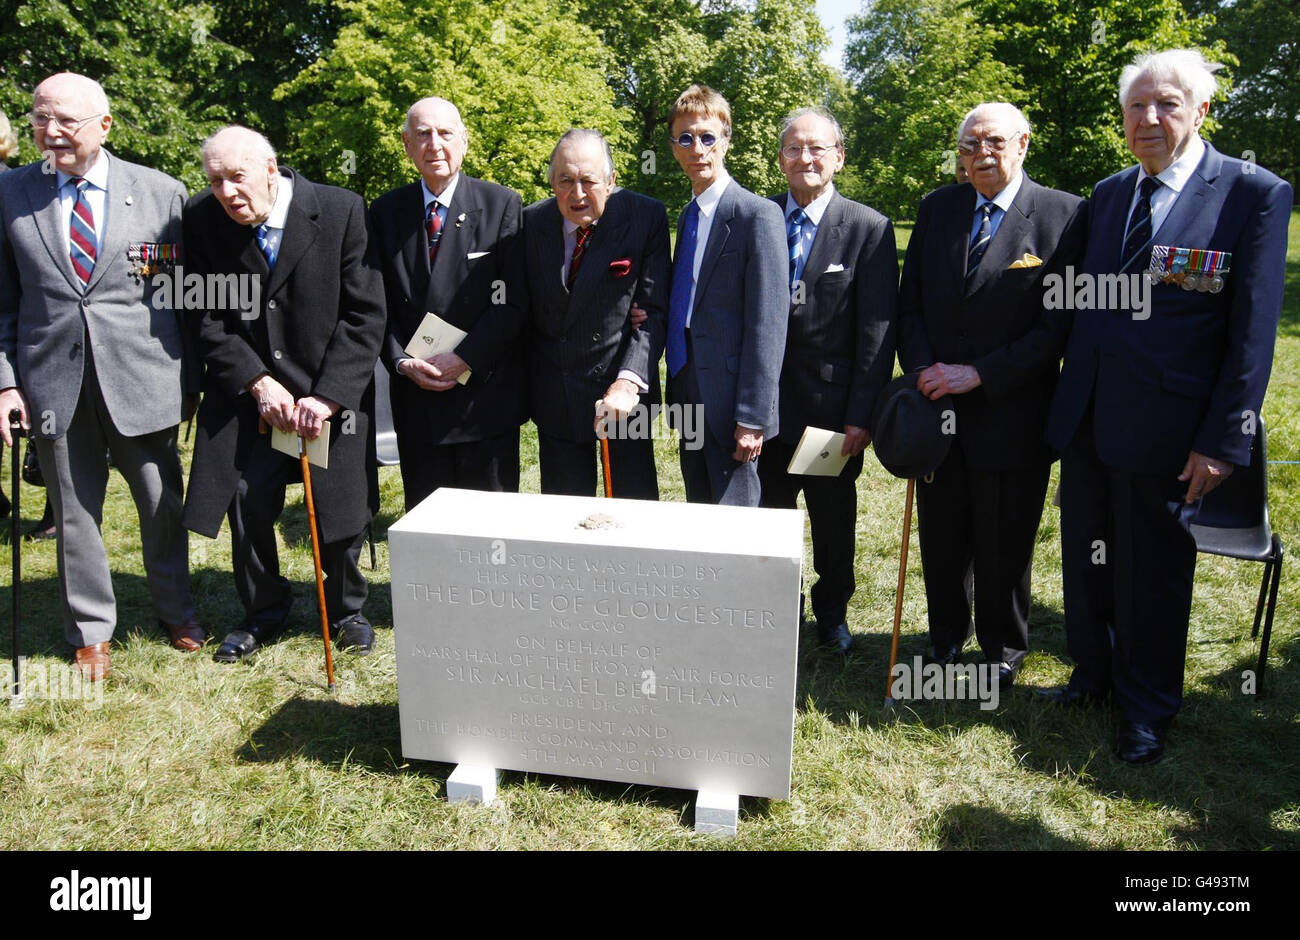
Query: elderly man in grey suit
{"points": [[728, 310], [89, 362]]}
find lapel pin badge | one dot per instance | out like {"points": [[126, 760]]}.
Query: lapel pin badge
{"points": [[459, 219], [130, 200]]}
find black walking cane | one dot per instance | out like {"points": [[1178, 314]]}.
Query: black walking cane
{"points": [[16, 546]]}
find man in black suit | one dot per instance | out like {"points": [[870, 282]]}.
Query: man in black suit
{"points": [[591, 252], [1158, 402], [443, 245], [301, 358], [728, 309], [839, 349], [971, 320]]}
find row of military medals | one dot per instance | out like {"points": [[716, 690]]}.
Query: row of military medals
{"points": [[1198, 269], [151, 258]]}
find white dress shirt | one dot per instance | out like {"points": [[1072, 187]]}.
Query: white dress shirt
{"points": [[814, 211], [1174, 177], [96, 198], [1002, 205], [707, 202]]}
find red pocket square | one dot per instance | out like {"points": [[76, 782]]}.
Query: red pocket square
{"points": [[620, 268]]}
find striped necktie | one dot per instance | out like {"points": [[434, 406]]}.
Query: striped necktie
{"points": [[579, 249], [81, 235], [1136, 248], [264, 243], [433, 217], [794, 238], [980, 243]]}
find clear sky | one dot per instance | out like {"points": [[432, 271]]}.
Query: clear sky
{"points": [[833, 14]]}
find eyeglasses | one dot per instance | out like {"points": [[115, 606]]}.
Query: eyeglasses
{"points": [[687, 140], [42, 119], [970, 145], [816, 151]]}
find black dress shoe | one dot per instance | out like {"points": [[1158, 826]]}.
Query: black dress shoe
{"points": [[354, 634], [250, 636], [1140, 744], [1007, 675], [1072, 698], [942, 657], [837, 637]]}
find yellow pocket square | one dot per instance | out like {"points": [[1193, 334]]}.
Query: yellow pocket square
{"points": [[1026, 261]]}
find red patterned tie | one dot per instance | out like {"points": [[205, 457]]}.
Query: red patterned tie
{"points": [[433, 225], [81, 231], [579, 249]]}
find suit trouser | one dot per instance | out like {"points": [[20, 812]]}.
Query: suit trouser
{"points": [[709, 472], [76, 478], [255, 557], [833, 515], [977, 534], [490, 464], [1128, 570], [569, 468]]}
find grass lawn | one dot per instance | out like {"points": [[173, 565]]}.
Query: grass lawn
{"points": [[184, 753]]}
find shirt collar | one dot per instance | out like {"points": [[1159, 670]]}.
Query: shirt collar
{"points": [[815, 209], [708, 200], [280, 211], [444, 197], [1004, 199], [1177, 174], [96, 176], [571, 227]]}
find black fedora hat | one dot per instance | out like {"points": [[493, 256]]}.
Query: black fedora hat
{"points": [[907, 429]]}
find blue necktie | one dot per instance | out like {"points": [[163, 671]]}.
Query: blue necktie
{"points": [[679, 306], [1136, 248], [264, 242], [980, 243], [794, 239], [81, 234]]}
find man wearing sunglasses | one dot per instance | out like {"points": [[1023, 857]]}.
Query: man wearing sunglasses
{"points": [[90, 362], [728, 308]]}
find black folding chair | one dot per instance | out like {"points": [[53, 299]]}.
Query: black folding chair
{"points": [[1233, 521]]}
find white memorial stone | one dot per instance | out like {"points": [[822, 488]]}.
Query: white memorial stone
{"points": [[717, 813], [472, 783], [643, 642]]}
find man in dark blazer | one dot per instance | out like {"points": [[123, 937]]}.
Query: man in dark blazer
{"points": [[443, 245], [94, 360], [301, 358], [728, 309], [592, 252], [973, 323], [839, 350], [1158, 401]]}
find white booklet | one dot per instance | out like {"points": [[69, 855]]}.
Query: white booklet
{"points": [[318, 451], [818, 453], [434, 336]]}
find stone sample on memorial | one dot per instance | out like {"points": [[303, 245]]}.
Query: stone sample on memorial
{"points": [[658, 647]]}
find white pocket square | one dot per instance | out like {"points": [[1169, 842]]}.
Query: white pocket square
{"points": [[476, 254], [831, 269]]}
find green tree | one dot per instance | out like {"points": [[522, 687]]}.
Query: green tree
{"points": [[521, 72], [917, 67], [1069, 59], [763, 56], [158, 63]]}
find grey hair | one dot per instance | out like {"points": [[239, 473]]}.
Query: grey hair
{"points": [[822, 113], [1016, 117], [261, 147], [579, 134], [1186, 68], [8, 140]]}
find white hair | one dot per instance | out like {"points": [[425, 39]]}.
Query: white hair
{"points": [[997, 109], [258, 145], [460, 124], [577, 135], [1186, 68]]}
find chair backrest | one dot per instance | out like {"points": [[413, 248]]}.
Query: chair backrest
{"points": [[1241, 502]]}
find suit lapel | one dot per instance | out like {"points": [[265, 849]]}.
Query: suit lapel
{"points": [[826, 244], [957, 237], [300, 232], [1005, 246], [550, 260], [414, 241], [1192, 200], [604, 244], [1116, 225], [719, 232], [112, 243], [43, 197], [451, 264]]}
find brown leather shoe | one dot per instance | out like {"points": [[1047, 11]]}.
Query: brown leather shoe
{"points": [[186, 637], [93, 661]]}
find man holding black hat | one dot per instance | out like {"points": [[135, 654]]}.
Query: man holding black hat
{"points": [[971, 321]]}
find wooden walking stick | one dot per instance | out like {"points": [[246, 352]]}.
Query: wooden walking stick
{"points": [[604, 460], [898, 596], [16, 548], [315, 555]]}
